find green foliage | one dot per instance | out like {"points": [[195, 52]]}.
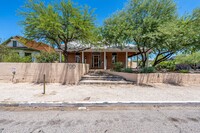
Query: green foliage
{"points": [[148, 70], [14, 57], [3, 52], [184, 71], [127, 70], [153, 25], [58, 23], [8, 55], [190, 59], [193, 58], [137, 23], [168, 65], [45, 57], [118, 66]]}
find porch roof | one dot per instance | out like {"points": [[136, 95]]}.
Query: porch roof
{"points": [[78, 47], [112, 49]]}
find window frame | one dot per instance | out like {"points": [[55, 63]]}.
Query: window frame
{"points": [[14, 43]]}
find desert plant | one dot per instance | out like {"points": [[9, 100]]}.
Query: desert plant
{"points": [[45, 57], [184, 71], [15, 57], [189, 59], [182, 67], [118, 66], [127, 70], [168, 65], [148, 70]]}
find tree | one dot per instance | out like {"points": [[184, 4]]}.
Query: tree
{"points": [[179, 35], [154, 27], [170, 38], [191, 59], [195, 26], [137, 21], [58, 24], [114, 30]]}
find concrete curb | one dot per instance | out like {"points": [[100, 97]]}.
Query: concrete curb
{"points": [[103, 104]]}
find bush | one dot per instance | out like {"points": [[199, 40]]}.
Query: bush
{"points": [[148, 70], [127, 70], [182, 67], [118, 66], [4, 51], [45, 57], [14, 57], [184, 71], [168, 65], [189, 59]]}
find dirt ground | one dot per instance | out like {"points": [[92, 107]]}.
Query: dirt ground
{"points": [[25, 92]]}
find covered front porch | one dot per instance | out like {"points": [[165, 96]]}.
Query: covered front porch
{"points": [[103, 59]]}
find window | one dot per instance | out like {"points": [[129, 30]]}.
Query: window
{"points": [[77, 58], [14, 43], [27, 54], [114, 58]]}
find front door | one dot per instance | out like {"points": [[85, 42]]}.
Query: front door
{"points": [[96, 61]]}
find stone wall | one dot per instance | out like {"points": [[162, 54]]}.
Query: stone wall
{"points": [[169, 78], [64, 73]]}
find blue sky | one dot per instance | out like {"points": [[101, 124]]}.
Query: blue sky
{"points": [[104, 8]]}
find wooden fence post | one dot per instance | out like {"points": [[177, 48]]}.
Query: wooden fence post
{"points": [[44, 85]]}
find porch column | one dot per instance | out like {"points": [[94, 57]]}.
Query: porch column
{"points": [[83, 57], [105, 61], [131, 61], [126, 59]]}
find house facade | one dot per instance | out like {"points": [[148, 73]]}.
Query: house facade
{"points": [[103, 58], [25, 47]]}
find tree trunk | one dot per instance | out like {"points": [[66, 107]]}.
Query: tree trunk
{"points": [[157, 60], [144, 60], [65, 53], [144, 57]]}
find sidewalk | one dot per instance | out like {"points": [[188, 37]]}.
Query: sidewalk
{"points": [[32, 93]]}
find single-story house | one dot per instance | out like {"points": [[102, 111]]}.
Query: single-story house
{"points": [[101, 57], [25, 47]]}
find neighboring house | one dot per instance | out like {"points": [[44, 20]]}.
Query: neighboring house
{"points": [[25, 47], [100, 57]]}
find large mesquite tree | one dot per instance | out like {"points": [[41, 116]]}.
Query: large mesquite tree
{"points": [[58, 24], [137, 21], [154, 27]]}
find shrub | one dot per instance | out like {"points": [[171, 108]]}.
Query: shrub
{"points": [[189, 59], [127, 70], [184, 71], [182, 67], [168, 65], [118, 66], [4, 51], [14, 57], [148, 70], [45, 57]]}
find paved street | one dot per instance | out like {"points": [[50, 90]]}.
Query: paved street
{"points": [[134, 120]]}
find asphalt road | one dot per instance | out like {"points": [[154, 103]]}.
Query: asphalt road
{"points": [[115, 120]]}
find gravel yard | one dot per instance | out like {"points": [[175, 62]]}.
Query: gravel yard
{"points": [[24, 92]]}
